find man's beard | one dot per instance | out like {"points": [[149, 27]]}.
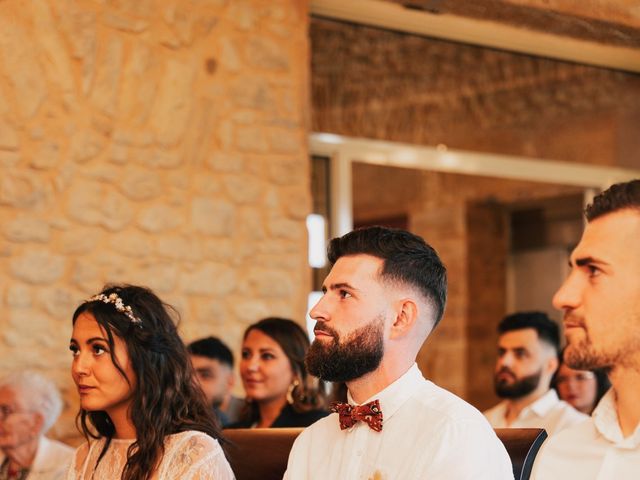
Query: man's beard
{"points": [[519, 388], [360, 353]]}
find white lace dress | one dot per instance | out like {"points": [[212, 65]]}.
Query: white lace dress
{"points": [[188, 455]]}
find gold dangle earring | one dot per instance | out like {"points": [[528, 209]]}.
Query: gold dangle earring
{"points": [[292, 387]]}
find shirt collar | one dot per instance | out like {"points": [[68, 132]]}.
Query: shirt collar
{"points": [[397, 393], [605, 418], [545, 403]]}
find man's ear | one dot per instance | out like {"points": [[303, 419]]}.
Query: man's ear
{"points": [[552, 364], [406, 317]]}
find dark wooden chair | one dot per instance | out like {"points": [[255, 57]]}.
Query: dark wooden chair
{"points": [[262, 453], [522, 445]]}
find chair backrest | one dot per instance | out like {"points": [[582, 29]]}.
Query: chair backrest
{"points": [[522, 445], [262, 453]]}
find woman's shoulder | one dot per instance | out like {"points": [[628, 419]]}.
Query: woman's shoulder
{"points": [[193, 454], [291, 418]]}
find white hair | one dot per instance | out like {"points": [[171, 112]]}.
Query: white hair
{"points": [[37, 393]]}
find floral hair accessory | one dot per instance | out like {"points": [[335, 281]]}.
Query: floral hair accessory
{"points": [[119, 305]]}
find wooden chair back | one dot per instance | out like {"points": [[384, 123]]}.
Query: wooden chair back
{"points": [[262, 453]]}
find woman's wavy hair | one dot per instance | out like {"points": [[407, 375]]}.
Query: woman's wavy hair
{"points": [[166, 398], [309, 393]]}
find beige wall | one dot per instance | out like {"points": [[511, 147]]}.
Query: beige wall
{"points": [[155, 142]]}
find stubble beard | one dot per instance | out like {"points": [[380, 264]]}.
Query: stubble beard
{"points": [[342, 361]]}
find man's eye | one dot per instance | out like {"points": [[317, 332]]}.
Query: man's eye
{"points": [[344, 294], [593, 271]]}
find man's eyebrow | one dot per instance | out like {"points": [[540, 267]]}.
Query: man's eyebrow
{"points": [[338, 286], [582, 261]]}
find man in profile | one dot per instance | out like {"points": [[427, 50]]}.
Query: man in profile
{"points": [[384, 295], [528, 348], [212, 361], [601, 303]]}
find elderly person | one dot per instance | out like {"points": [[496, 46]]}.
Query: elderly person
{"points": [[29, 405]]}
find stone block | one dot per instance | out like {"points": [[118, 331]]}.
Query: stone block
{"points": [[264, 53], [218, 250], [286, 140], [249, 311], [270, 283], [79, 240], [242, 14], [158, 158], [91, 203], [279, 227], [287, 170], [132, 244], [21, 56], [207, 184], [172, 105], [27, 229], [179, 247], [38, 267], [104, 91], [253, 92], [296, 201], [18, 296], [229, 55], [225, 162], [212, 216], [159, 276], [209, 279], [86, 144], [9, 159], [140, 184], [60, 302], [251, 139], [244, 189], [22, 189], [9, 139], [125, 23], [251, 224], [159, 218]]}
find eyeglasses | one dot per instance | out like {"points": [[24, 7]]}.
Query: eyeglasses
{"points": [[578, 377]]}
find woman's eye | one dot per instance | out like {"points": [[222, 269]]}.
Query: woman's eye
{"points": [[74, 350], [98, 350], [245, 354], [267, 356]]}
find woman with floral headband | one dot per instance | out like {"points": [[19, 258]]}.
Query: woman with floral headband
{"points": [[142, 414]]}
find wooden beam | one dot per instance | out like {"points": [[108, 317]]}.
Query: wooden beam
{"points": [[393, 16]]}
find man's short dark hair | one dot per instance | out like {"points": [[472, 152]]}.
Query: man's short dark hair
{"points": [[407, 259], [548, 330], [617, 197], [211, 347]]}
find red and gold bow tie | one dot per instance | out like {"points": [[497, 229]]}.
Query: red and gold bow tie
{"points": [[349, 415]]}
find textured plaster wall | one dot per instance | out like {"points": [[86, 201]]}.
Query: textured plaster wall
{"points": [[156, 142]]}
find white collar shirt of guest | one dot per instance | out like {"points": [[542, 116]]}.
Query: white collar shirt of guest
{"points": [[592, 450], [427, 433], [548, 412]]}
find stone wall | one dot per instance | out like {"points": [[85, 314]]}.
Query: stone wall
{"points": [[154, 142]]}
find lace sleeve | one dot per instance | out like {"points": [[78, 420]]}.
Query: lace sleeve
{"points": [[195, 456]]}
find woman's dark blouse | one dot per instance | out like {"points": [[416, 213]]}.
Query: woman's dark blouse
{"points": [[288, 418]]}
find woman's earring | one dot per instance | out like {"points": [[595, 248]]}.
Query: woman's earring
{"points": [[292, 387]]}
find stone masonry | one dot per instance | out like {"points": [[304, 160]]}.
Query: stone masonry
{"points": [[154, 142]]}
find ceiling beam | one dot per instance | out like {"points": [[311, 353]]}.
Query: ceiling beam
{"points": [[392, 16]]}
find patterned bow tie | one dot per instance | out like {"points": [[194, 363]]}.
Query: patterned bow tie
{"points": [[349, 415]]}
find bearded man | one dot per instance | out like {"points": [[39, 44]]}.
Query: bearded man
{"points": [[528, 347], [601, 303], [384, 295]]}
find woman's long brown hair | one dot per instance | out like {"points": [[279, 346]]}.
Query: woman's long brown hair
{"points": [[166, 399]]}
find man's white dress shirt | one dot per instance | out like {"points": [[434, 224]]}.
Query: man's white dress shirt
{"points": [[51, 461], [427, 433], [548, 412], [592, 450]]}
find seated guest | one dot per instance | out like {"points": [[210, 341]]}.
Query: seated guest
{"points": [[279, 391], [385, 293], [29, 405], [212, 361], [600, 300], [527, 360], [582, 389], [141, 410]]}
